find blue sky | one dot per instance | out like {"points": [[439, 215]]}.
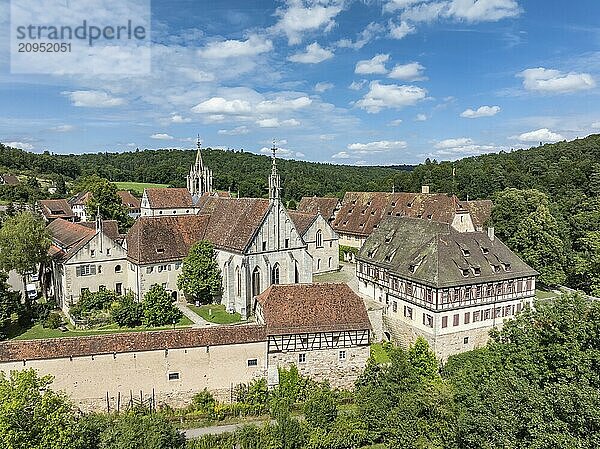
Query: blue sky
{"points": [[352, 82]]}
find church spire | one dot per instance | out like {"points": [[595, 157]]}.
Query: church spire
{"points": [[199, 163], [199, 181], [274, 179]]}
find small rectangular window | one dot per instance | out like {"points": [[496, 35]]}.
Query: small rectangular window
{"points": [[476, 316], [408, 312], [456, 320], [252, 362], [92, 252], [149, 270], [467, 317], [173, 376], [342, 355], [466, 340], [302, 358], [264, 246], [287, 243], [394, 306], [444, 321], [108, 251]]}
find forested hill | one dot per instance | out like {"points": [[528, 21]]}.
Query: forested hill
{"points": [[235, 170]]}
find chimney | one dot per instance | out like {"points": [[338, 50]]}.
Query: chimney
{"points": [[490, 230], [424, 189]]}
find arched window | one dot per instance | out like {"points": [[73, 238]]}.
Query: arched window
{"points": [[256, 282], [238, 282], [118, 269], [319, 239], [275, 274]]}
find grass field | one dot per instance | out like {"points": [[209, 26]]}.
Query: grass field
{"points": [[38, 331], [137, 187], [543, 294], [216, 313]]}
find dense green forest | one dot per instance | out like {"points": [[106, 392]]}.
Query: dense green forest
{"points": [[547, 198]]}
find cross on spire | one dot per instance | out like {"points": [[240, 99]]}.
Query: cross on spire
{"points": [[274, 179]]}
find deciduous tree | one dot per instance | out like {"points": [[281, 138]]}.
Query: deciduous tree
{"points": [[159, 309], [200, 277]]}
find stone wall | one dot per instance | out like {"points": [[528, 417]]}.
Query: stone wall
{"points": [[325, 364]]}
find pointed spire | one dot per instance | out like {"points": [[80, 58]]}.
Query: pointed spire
{"points": [[198, 152], [274, 179]]}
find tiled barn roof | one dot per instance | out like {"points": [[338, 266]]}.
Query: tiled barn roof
{"points": [[435, 254], [312, 204], [169, 198], [52, 209], [302, 221], [128, 199], [307, 308], [11, 351], [68, 237]]}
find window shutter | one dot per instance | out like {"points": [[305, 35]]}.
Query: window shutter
{"points": [[77, 271], [93, 269]]}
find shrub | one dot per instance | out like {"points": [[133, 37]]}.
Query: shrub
{"points": [[204, 401], [159, 309], [53, 320], [128, 312]]}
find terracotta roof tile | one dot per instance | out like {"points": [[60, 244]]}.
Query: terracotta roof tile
{"points": [[361, 212], [312, 204], [80, 199], [11, 351], [68, 237], [480, 210], [166, 198], [55, 209], [233, 221], [162, 239], [306, 308], [129, 200], [302, 221]]}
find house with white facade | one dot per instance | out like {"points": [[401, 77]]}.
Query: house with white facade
{"points": [[448, 286], [160, 202], [320, 238]]}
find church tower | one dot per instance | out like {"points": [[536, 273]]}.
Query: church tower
{"points": [[274, 179], [199, 181]]}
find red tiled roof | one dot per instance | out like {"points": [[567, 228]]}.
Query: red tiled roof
{"points": [[361, 212], [162, 239], [55, 209], [306, 308], [109, 227], [129, 200], [11, 351], [312, 204], [480, 210], [80, 199], [160, 198], [302, 221], [68, 237], [233, 221]]}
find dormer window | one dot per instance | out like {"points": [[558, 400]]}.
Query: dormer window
{"points": [[465, 252], [363, 211], [372, 253], [345, 223], [390, 213], [485, 250], [506, 266], [429, 216], [465, 272], [476, 271], [372, 212], [160, 250], [398, 214], [495, 268], [412, 268], [393, 204], [390, 256], [409, 205], [362, 225], [353, 202], [350, 211], [420, 216], [368, 203]]}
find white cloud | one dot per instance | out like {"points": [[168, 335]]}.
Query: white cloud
{"points": [[62, 128], [357, 85], [93, 99], [282, 152], [237, 131], [482, 111], [412, 71], [460, 10], [400, 31], [342, 155], [549, 80], [396, 122], [539, 135], [453, 143], [254, 45], [177, 118], [595, 125], [380, 146], [394, 5], [161, 136], [281, 105], [381, 96], [323, 86], [421, 118], [220, 105], [313, 54], [374, 65], [300, 17], [327, 137], [276, 123], [371, 31], [461, 151], [20, 145]]}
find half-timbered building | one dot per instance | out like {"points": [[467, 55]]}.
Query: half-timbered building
{"points": [[450, 287]]}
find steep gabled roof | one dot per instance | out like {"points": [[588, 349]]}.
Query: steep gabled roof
{"points": [[233, 221], [52, 209], [166, 198], [129, 200], [306, 308], [480, 210], [80, 199], [164, 239], [313, 204], [361, 212], [435, 254], [302, 222], [68, 237]]}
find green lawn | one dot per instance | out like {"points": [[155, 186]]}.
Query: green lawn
{"points": [[38, 331], [216, 313], [379, 354], [137, 187], [543, 294]]}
